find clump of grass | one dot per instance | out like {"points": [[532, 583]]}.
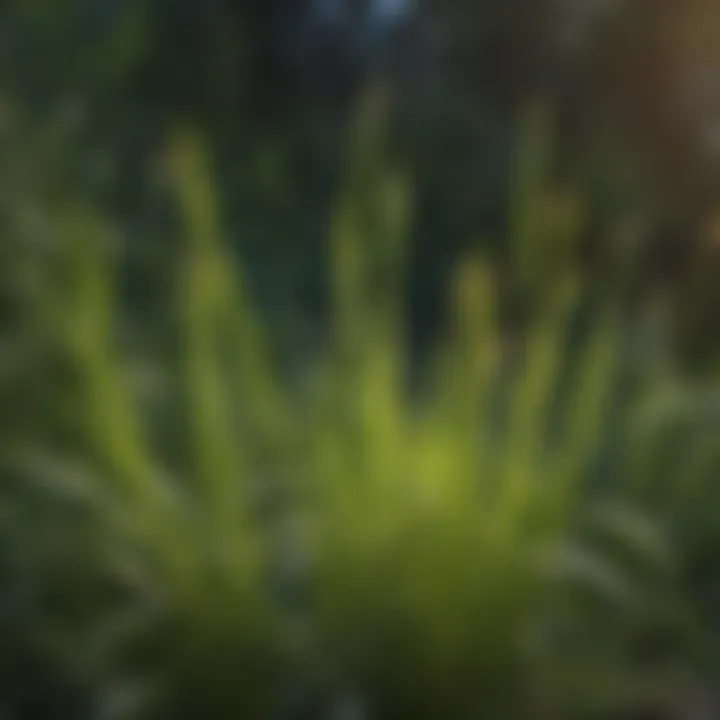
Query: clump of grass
{"points": [[183, 551], [434, 524], [450, 564]]}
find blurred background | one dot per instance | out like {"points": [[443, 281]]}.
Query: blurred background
{"points": [[241, 379]]}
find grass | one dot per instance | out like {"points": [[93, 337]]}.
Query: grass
{"points": [[440, 555]]}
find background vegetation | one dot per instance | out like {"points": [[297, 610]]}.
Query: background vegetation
{"points": [[358, 359]]}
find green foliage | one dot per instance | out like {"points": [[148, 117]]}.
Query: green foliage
{"points": [[441, 552]]}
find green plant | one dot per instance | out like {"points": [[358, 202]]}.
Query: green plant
{"points": [[439, 528], [454, 561], [177, 564]]}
